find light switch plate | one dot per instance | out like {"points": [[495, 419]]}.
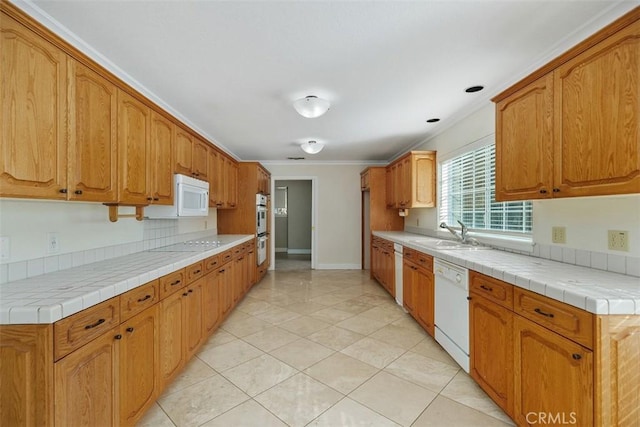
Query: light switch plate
{"points": [[559, 234], [618, 240]]}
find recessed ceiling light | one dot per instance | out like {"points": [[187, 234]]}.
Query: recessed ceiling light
{"points": [[474, 89], [433, 120]]}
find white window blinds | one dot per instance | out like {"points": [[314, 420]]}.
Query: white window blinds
{"points": [[468, 194]]}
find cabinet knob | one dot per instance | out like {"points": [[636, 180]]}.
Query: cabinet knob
{"points": [[468, 298], [576, 356], [78, 192], [63, 190], [118, 337], [190, 290], [129, 329], [185, 294], [155, 199], [149, 198], [543, 191], [556, 190]]}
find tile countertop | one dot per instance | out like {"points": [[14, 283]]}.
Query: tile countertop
{"points": [[596, 291], [51, 297]]}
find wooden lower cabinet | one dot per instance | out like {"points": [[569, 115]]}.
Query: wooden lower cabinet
{"points": [[226, 288], [138, 364], [171, 338], [193, 317], [86, 384], [211, 308], [553, 377], [409, 279], [418, 294], [491, 343], [383, 263]]}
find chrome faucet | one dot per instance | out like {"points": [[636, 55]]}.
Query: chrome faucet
{"points": [[462, 237]]}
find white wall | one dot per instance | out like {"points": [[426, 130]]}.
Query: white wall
{"points": [[587, 219], [338, 207], [80, 227]]}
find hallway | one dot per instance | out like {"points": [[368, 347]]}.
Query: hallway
{"points": [[322, 348]]}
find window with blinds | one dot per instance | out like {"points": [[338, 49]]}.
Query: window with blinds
{"points": [[468, 195]]}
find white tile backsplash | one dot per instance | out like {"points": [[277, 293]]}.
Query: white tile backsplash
{"points": [[616, 263]]}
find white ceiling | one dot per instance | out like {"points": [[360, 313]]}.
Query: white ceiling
{"points": [[232, 69]]}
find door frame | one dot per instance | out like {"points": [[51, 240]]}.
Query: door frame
{"points": [[314, 216]]}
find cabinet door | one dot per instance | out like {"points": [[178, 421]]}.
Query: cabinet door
{"points": [[491, 350], [213, 177], [597, 135], [161, 164], [193, 317], [553, 377], [389, 187], [201, 160], [33, 153], [405, 182], [86, 385], [232, 184], [398, 185], [93, 113], [226, 288], [408, 283], [138, 364], [424, 300], [524, 143], [422, 181], [170, 340], [211, 309], [133, 150], [184, 151]]}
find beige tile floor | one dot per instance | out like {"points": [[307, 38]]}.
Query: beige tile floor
{"points": [[322, 348]]}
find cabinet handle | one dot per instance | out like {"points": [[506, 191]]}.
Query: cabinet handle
{"points": [[221, 271], [185, 294], [129, 329], [99, 322], [177, 282], [155, 199], [537, 310], [422, 260], [118, 337], [468, 298], [486, 288], [149, 199], [63, 190], [196, 272], [190, 290], [556, 190], [576, 356], [543, 191], [146, 297], [78, 192]]}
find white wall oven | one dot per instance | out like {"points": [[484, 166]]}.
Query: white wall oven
{"points": [[261, 227]]}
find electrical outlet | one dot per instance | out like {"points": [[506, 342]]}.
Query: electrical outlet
{"points": [[53, 243], [618, 240], [5, 248], [559, 234]]}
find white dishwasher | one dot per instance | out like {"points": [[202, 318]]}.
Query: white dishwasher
{"points": [[452, 310]]}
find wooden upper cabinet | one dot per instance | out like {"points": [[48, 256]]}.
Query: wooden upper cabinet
{"points": [[232, 183], [33, 153], [184, 151], [524, 143], [133, 150], [597, 132], [93, 107], [213, 176], [573, 129], [161, 164], [411, 181], [200, 160]]}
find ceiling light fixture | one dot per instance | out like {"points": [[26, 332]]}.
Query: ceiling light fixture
{"points": [[312, 147], [474, 89], [311, 106]]}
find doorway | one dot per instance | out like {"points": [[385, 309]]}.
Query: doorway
{"points": [[293, 234]]}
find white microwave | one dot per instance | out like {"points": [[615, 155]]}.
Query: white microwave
{"points": [[190, 198]]}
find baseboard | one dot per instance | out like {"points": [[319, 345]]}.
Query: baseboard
{"points": [[278, 250], [299, 251], [338, 267]]}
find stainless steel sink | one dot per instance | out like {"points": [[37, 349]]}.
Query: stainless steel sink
{"points": [[442, 244]]}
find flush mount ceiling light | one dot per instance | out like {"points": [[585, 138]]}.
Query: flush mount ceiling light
{"points": [[311, 106], [312, 147]]}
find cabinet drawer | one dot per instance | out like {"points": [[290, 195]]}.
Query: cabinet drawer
{"points": [[492, 289], [194, 272], [136, 300], [75, 331], [171, 283], [238, 250], [226, 256], [418, 258], [211, 263], [568, 321]]}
